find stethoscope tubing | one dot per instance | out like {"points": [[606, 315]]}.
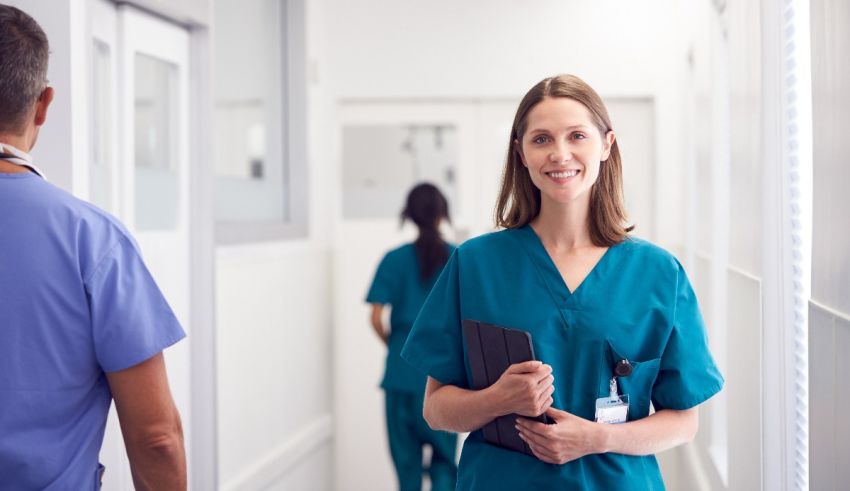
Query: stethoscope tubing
{"points": [[14, 156]]}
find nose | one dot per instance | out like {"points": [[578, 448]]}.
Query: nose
{"points": [[561, 152]]}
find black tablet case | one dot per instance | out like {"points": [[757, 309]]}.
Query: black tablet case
{"points": [[491, 349]]}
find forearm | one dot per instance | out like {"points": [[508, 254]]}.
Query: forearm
{"points": [[658, 432], [378, 327], [158, 462], [451, 408], [150, 424], [377, 321]]}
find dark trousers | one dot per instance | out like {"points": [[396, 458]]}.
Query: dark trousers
{"points": [[408, 433]]}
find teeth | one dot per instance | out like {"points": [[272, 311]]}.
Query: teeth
{"points": [[562, 175]]}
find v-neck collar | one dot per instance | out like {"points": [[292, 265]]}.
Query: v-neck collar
{"points": [[550, 273]]}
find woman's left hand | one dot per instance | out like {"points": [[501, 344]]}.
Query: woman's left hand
{"points": [[568, 438]]}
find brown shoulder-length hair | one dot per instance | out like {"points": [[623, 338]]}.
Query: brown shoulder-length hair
{"points": [[519, 198]]}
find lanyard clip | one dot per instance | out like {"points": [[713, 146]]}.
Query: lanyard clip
{"points": [[612, 389]]}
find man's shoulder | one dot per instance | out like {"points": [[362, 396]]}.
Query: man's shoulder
{"points": [[68, 219], [76, 209]]}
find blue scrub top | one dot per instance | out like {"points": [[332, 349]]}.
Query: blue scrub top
{"points": [[398, 283], [76, 301], [635, 304]]}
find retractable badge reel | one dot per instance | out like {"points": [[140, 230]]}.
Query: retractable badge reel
{"points": [[614, 409]]}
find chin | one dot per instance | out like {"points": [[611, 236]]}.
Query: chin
{"points": [[564, 199], [563, 195]]}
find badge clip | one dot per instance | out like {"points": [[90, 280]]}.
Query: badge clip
{"points": [[614, 409]]}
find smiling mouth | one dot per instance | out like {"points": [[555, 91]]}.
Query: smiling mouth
{"points": [[563, 174]]}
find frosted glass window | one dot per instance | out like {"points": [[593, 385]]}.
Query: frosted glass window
{"points": [[382, 162], [155, 144], [102, 123], [249, 149]]}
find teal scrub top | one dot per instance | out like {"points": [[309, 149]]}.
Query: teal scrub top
{"points": [[398, 283], [636, 304]]}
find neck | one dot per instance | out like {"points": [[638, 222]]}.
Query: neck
{"points": [[429, 232], [564, 227], [21, 142], [7, 168]]}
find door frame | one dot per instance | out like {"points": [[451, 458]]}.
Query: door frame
{"points": [[201, 419]]}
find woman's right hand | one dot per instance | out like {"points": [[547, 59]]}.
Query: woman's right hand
{"points": [[525, 389]]}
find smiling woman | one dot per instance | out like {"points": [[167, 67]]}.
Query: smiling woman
{"points": [[592, 297], [560, 121], [563, 151]]}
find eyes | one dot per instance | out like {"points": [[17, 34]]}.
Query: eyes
{"points": [[543, 138]]}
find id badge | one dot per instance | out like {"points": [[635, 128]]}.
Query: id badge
{"points": [[613, 409]]}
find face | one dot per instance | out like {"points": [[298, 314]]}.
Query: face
{"points": [[562, 149]]}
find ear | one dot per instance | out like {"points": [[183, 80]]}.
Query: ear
{"points": [[519, 151], [41, 106], [607, 143]]}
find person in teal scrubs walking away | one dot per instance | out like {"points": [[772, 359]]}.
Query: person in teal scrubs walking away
{"points": [[613, 318], [403, 280]]}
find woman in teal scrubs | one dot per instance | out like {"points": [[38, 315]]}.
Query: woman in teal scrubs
{"points": [[566, 270], [403, 280]]}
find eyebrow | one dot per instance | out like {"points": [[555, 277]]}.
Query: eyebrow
{"points": [[569, 128]]}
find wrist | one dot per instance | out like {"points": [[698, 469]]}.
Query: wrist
{"points": [[602, 437], [493, 404]]}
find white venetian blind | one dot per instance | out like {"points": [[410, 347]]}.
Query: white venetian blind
{"points": [[797, 182]]}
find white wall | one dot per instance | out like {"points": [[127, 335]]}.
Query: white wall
{"points": [[726, 237], [274, 366], [468, 60], [829, 310], [381, 49], [744, 253], [273, 305]]}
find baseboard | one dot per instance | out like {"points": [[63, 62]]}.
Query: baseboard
{"points": [[285, 457]]}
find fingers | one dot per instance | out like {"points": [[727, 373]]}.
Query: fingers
{"points": [[543, 455], [529, 427], [541, 446], [543, 375], [544, 395], [530, 392], [546, 405], [525, 367], [554, 444], [544, 398], [557, 414]]}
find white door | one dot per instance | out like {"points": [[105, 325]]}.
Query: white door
{"points": [[139, 169], [155, 165]]}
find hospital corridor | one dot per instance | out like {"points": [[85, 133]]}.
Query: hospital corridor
{"points": [[502, 245]]}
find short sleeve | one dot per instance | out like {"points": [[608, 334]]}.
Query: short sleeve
{"points": [[131, 320], [688, 375], [384, 283], [435, 344]]}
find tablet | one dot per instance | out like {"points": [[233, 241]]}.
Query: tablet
{"points": [[491, 349]]}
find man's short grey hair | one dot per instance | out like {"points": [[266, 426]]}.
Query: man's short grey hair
{"points": [[23, 67]]}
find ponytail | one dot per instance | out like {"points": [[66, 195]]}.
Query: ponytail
{"points": [[426, 207]]}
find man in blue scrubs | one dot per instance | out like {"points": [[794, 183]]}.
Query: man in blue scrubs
{"points": [[81, 320]]}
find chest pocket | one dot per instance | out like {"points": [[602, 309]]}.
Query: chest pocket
{"points": [[638, 385]]}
